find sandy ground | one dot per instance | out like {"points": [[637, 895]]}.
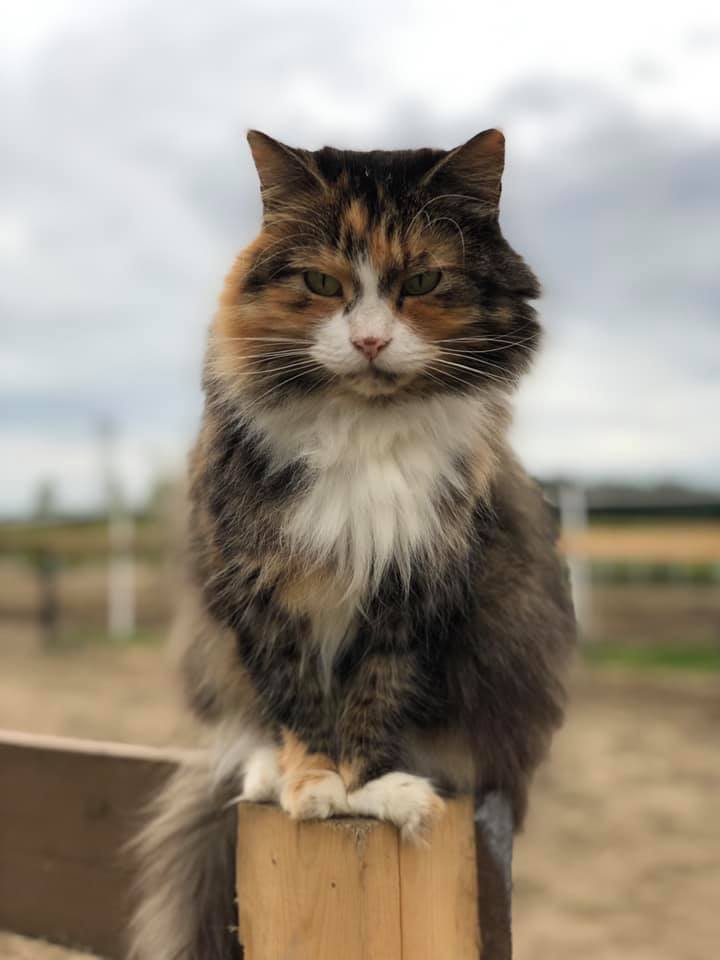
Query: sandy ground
{"points": [[621, 856]]}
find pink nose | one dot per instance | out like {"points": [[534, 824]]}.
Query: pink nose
{"points": [[370, 346]]}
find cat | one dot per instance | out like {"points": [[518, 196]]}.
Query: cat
{"points": [[375, 615]]}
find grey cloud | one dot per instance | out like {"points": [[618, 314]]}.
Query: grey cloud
{"points": [[126, 162]]}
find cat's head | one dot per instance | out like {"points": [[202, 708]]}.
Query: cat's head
{"points": [[378, 274]]}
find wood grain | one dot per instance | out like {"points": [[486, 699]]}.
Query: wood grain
{"points": [[439, 915], [67, 808], [317, 891], [350, 889]]}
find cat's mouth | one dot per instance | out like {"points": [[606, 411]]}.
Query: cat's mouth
{"points": [[376, 382]]}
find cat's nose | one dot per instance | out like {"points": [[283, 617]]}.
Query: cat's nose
{"points": [[371, 346]]}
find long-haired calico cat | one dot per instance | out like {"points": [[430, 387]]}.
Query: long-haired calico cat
{"points": [[375, 614]]}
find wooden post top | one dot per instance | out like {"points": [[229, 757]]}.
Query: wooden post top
{"points": [[351, 890]]}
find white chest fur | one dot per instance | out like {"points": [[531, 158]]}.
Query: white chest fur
{"points": [[376, 473]]}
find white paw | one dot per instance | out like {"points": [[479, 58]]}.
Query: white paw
{"points": [[402, 798], [314, 796], [261, 782]]}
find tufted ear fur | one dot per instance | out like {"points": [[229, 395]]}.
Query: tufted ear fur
{"points": [[283, 171], [478, 165]]}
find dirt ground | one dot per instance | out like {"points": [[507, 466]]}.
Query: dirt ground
{"points": [[621, 856]]}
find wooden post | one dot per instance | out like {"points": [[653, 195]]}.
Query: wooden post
{"points": [[351, 890], [46, 567]]}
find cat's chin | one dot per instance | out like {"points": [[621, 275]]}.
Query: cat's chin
{"points": [[377, 383]]}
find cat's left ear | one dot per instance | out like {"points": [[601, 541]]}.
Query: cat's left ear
{"points": [[283, 171], [477, 164]]}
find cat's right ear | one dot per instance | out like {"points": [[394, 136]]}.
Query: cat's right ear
{"points": [[477, 165], [283, 171]]}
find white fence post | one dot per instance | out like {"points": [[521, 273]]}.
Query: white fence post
{"points": [[121, 574], [121, 535], [574, 521]]}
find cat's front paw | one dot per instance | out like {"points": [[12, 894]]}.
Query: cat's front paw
{"points": [[408, 801], [314, 796], [261, 779]]}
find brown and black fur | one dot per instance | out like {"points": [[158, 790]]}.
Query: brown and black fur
{"points": [[459, 651]]}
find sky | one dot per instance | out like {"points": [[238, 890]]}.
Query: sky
{"points": [[126, 188]]}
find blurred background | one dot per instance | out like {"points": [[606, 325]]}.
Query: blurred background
{"points": [[126, 188]]}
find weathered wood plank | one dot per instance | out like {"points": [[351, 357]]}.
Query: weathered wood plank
{"points": [[67, 808], [317, 891], [439, 890], [351, 889]]}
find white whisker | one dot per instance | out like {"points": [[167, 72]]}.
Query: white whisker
{"points": [[473, 354], [457, 227], [270, 371], [490, 338], [279, 386], [263, 356], [269, 339], [444, 196], [504, 345], [474, 370], [463, 380], [281, 240], [476, 359]]}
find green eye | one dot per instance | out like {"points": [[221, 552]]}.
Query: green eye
{"points": [[421, 283], [322, 283]]}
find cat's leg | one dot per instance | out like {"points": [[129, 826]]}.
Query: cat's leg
{"points": [[261, 776], [371, 733], [442, 756], [312, 788], [289, 685], [219, 690], [247, 753]]}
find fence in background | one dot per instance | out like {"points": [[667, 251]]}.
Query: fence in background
{"points": [[113, 577], [122, 549]]}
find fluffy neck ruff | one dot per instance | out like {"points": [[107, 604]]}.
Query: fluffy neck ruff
{"points": [[388, 482]]}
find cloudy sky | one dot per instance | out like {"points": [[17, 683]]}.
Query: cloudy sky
{"points": [[126, 187]]}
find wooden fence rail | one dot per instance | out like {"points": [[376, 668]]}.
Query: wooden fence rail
{"points": [[67, 807], [315, 890]]}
